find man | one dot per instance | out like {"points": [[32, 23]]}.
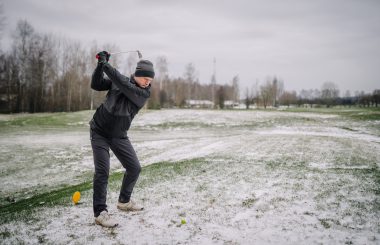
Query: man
{"points": [[109, 126]]}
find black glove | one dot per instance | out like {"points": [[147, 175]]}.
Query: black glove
{"points": [[103, 57]]}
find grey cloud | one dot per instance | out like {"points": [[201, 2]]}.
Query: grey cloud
{"points": [[304, 42]]}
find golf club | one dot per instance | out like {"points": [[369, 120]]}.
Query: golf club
{"points": [[122, 52]]}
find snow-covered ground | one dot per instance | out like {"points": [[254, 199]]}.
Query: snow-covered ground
{"points": [[251, 177]]}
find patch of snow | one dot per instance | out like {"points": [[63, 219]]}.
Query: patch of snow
{"points": [[278, 184]]}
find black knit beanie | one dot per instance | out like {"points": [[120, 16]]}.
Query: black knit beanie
{"points": [[144, 69]]}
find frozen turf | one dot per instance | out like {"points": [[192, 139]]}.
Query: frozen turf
{"points": [[244, 177]]}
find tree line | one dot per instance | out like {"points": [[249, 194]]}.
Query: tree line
{"points": [[272, 94], [46, 73]]}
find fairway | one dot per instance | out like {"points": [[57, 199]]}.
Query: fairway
{"points": [[223, 176]]}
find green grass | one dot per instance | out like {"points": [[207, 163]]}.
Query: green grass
{"points": [[325, 223], [357, 113], [81, 118], [53, 198], [15, 160], [164, 171], [249, 202], [158, 172], [61, 119]]}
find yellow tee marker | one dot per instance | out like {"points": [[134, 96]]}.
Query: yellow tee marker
{"points": [[76, 197]]}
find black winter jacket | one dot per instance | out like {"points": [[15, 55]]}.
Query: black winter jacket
{"points": [[125, 98]]}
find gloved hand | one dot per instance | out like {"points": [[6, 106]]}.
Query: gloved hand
{"points": [[103, 57]]}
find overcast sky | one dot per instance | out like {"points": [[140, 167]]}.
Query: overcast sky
{"points": [[304, 43]]}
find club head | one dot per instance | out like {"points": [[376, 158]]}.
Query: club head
{"points": [[139, 54]]}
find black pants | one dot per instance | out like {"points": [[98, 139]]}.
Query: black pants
{"points": [[124, 151]]}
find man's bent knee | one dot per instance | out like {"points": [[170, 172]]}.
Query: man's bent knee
{"points": [[138, 169], [135, 171]]}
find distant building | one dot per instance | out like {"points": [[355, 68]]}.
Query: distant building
{"points": [[230, 104], [199, 104]]}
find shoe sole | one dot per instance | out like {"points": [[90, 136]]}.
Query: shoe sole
{"points": [[98, 223]]}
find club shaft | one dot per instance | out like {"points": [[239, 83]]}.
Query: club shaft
{"points": [[138, 53], [124, 52]]}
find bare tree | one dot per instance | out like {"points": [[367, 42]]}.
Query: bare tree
{"points": [[131, 63], [162, 76], [3, 63], [305, 97], [266, 93], [180, 92], [221, 97], [376, 96], [288, 98], [42, 69], [213, 88], [23, 40], [190, 73], [235, 89], [330, 93], [33, 55], [365, 99], [8, 74], [190, 78], [248, 98], [68, 72], [162, 70], [276, 91], [73, 84], [347, 99]]}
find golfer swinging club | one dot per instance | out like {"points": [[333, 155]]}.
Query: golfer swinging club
{"points": [[108, 130]]}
